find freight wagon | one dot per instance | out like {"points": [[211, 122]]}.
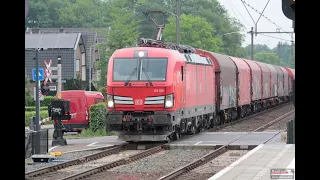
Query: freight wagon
{"points": [[159, 91]]}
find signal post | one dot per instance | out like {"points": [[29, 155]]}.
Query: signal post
{"points": [[59, 107]]}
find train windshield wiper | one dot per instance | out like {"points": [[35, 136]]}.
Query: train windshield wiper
{"points": [[128, 80], [148, 78]]}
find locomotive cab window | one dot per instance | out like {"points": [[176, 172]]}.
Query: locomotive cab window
{"points": [[124, 68], [153, 69]]}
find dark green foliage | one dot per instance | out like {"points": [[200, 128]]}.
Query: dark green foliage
{"points": [[97, 116]]}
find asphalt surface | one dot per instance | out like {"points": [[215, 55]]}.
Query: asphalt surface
{"points": [[51, 129]]}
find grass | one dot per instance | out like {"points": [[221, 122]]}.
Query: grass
{"points": [[88, 133]]}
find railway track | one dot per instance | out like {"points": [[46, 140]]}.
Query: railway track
{"points": [[211, 156], [223, 126], [66, 170], [43, 171]]}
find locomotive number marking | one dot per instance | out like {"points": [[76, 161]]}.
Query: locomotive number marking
{"points": [[158, 90], [138, 102]]}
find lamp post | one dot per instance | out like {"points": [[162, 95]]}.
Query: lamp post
{"points": [[90, 65]]}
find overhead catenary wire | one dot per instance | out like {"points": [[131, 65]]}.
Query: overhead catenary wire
{"points": [[275, 37], [261, 14]]}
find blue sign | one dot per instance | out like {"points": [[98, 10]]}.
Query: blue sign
{"points": [[41, 74]]}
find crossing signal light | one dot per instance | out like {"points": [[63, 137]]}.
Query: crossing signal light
{"points": [[44, 89]]}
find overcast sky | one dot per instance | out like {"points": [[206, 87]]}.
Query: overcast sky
{"points": [[273, 12]]}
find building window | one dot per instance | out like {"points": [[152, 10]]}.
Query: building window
{"points": [[77, 65]]}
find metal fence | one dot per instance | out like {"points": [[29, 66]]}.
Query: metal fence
{"points": [[35, 144]]}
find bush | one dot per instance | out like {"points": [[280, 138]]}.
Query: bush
{"points": [[29, 114], [97, 116], [33, 108], [46, 101], [28, 100]]}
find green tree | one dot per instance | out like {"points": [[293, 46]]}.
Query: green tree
{"points": [[214, 13], [28, 99], [122, 32], [103, 65], [267, 57], [146, 27], [284, 50], [45, 14], [85, 14], [257, 48], [123, 29], [195, 31], [210, 10]]}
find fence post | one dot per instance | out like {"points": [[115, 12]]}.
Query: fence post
{"points": [[31, 126], [290, 132], [36, 137], [293, 131], [47, 140]]}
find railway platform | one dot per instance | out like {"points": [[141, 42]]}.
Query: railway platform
{"points": [[265, 162], [221, 138]]}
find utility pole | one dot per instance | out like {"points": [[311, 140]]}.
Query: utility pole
{"points": [[37, 120], [293, 58], [279, 51], [90, 65], [178, 21], [252, 49], [90, 69]]}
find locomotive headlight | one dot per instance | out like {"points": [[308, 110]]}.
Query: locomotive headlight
{"points": [[141, 54], [110, 101], [169, 101]]}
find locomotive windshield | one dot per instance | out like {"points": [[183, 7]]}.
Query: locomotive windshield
{"points": [[153, 69]]}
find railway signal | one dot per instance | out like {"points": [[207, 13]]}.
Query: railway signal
{"points": [[288, 9], [44, 89]]}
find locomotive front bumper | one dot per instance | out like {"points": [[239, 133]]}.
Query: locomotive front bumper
{"points": [[159, 118]]}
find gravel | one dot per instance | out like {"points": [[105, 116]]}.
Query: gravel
{"points": [[88, 165], [209, 169], [63, 157], [281, 125], [257, 121], [152, 167]]}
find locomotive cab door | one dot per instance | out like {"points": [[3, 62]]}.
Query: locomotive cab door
{"points": [[184, 90]]}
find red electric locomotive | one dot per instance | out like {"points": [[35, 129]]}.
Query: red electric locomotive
{"points": [[152, 98]]}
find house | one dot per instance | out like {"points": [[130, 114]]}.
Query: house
{"points": [[70, 47], [90, 38]]}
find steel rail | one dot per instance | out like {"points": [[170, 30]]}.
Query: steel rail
{"points": [[77, 161], [220, 151]]}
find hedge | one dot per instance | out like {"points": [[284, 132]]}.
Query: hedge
{"points": [[97, 116], [46, 101], [33, 108], [29, 114]]}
